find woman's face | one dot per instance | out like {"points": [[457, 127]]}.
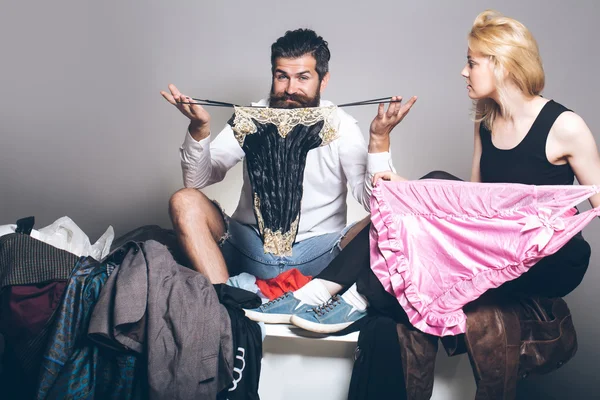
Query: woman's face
{"points": [[479, 73]]}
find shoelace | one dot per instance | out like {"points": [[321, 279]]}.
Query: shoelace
{"points": [[327, 306], [269, 303]]}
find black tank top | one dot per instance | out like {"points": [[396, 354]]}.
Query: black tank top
{"points": [[527, 162]]}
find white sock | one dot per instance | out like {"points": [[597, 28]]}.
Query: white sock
{"points": [[313, 293], [355, 299]]}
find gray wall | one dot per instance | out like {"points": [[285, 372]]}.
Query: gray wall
{"points": [[85, 133]]}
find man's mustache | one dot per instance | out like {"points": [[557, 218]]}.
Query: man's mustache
{"points": [[293, 97]]}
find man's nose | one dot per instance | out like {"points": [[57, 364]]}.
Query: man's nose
{"points": [[292, 87]]}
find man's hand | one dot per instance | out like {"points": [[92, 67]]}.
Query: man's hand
{"points": [[386, 121], [198, 116]]}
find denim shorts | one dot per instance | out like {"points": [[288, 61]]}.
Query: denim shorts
{"points": [[242, 248]]}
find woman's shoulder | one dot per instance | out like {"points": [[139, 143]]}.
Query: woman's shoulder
{"points": [[571, 132], [569, 125]]}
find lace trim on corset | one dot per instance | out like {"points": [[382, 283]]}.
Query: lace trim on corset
{"points": [[285, 120]]}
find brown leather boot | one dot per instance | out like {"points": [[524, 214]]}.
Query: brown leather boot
{"points": [[419, 351], [511, 339], [493, 340], [548, 338]]}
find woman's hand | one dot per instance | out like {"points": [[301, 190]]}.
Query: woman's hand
{"points": [[387, 176]]}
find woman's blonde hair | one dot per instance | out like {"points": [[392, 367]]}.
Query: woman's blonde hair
{"points": [[515, 57]]}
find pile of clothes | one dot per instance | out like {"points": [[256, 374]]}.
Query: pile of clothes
{"points": [[135, 324]]}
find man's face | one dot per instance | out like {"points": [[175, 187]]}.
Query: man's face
{"points": [[296, 83]]}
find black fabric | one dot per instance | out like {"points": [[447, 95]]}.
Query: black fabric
{"points": [[1, 352], [25, 225], [526, 163], [247, 343], [377, 371], [16, 383], [144, 233], [25, 260], [275, 167], [441, 175], [351, 262], [236, 297]]}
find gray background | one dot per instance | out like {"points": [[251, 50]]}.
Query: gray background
{"points": [[85, 133]]}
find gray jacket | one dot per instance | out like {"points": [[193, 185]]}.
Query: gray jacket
{"points": [[153, 306]]}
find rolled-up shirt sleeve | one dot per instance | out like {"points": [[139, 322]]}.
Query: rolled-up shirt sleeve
{"points": [[360, 166], [204, 162]]}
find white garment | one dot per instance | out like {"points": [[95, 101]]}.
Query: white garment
{"points": [[66, 235], [313, 293], [355, 299], [328, 172]]}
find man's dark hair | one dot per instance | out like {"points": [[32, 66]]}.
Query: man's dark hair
{"points": [[295, 44]]}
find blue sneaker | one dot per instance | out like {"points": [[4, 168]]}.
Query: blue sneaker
{"points": [[330, 317], [279, 310]]}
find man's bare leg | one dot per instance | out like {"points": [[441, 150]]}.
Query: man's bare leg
{"points": [[199, 225]]}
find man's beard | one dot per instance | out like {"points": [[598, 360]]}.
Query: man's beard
{"points": [[297, 100]]}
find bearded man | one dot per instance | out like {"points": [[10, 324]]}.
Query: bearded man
{"points": [[218, 245]]}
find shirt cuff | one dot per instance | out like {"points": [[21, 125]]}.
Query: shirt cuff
{"points": [[379, 162], [192, 144]]}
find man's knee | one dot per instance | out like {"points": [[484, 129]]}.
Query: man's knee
{"points": [[190, 206], [185, 200], [188, 202]]}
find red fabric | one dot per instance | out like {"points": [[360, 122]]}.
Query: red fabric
{"points": [[27, 309], [287, 281]]}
